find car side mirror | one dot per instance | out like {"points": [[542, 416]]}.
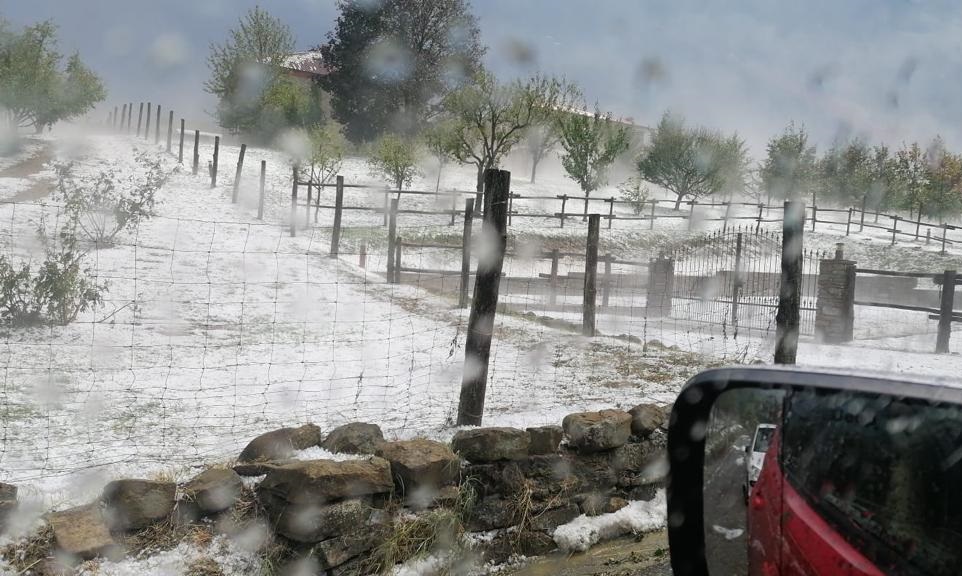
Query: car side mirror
{"points": [[859, 473]]}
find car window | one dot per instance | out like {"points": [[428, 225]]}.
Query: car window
{"points": [[763, 438], [884, 473]]}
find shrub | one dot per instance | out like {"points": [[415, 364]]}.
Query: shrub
{"points": [[101, 208], [636, 194], [56, 292]]}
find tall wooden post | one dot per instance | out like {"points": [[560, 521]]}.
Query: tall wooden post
{"points": [[788, 316], [895, 228], [294, 201], [213, 166], [113, 119], [691, 216], [736, 282], [150, 109], [130, 116], [260, 200], [307, 205], [123, 117], [553, 278], [238, 173], [391, 239], [848, 223], [157, 127], [606, 282], [651, 222], [180, 149], [477, 347], [362, 255], [611, 211], [170, 130], [591, 276], [454, 208], [945, 228], [196, 152], [338, 207], [945, 312], [564, 201], [397, 259], [466, 253]]}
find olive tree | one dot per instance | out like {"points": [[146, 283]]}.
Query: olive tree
{"points": [[394, 159], [591, 144], [35, 90], [693, 162], [491, 117]]}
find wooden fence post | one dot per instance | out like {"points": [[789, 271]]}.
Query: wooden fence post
{"points": [[466, 253], [788, 316], [918, 223], [553, 279], [477, 347], [213, 166], [338, 207], [591, 277], [814, 216], [397, 260], [147, 128], [861, 221], [238, 173], [113, 119], [651, 223], [391, 239], [307, 205], [611, 211], [180, 149], [170, 130], [606, 282], [728, 208], [736, 282], [123, 117], [945, 312], [130, 116], [387, 205], [758, 223], [294, 201], [895, 228], [564, 201], [362, 255], [260, 200], [196, 151], [945, 228], [848, 224], [454, 208], [510, 207], [157, 127], [691, 215]]}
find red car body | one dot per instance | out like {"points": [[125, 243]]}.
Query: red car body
{"points": [[787, 537]]}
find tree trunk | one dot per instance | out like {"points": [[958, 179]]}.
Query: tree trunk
{"points": [[534, 167], [480, 188], [437, 185], [678, 201], [586, 208]]}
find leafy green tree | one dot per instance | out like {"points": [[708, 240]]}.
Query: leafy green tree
{"points": [[845, 173], [883, 191], [390, 60], [693, 162], [912, 171], [395, 159], [34, 90], [490, 118], [789, 170], [591, 144], [539, 140], [943, 196], [246, 75], [440, 140]]}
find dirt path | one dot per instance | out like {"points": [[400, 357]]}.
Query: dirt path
{"points": [[38, 188], [620, 557]]}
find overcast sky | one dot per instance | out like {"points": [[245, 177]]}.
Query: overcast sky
{"points": [[884, 69]]}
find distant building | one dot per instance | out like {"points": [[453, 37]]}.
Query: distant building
{"points": [[307, 65]]}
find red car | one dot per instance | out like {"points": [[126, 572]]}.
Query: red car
{"points": [[882, 506]]}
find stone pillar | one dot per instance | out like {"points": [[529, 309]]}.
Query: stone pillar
{"points": [[661, 279], [835, 306]]}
